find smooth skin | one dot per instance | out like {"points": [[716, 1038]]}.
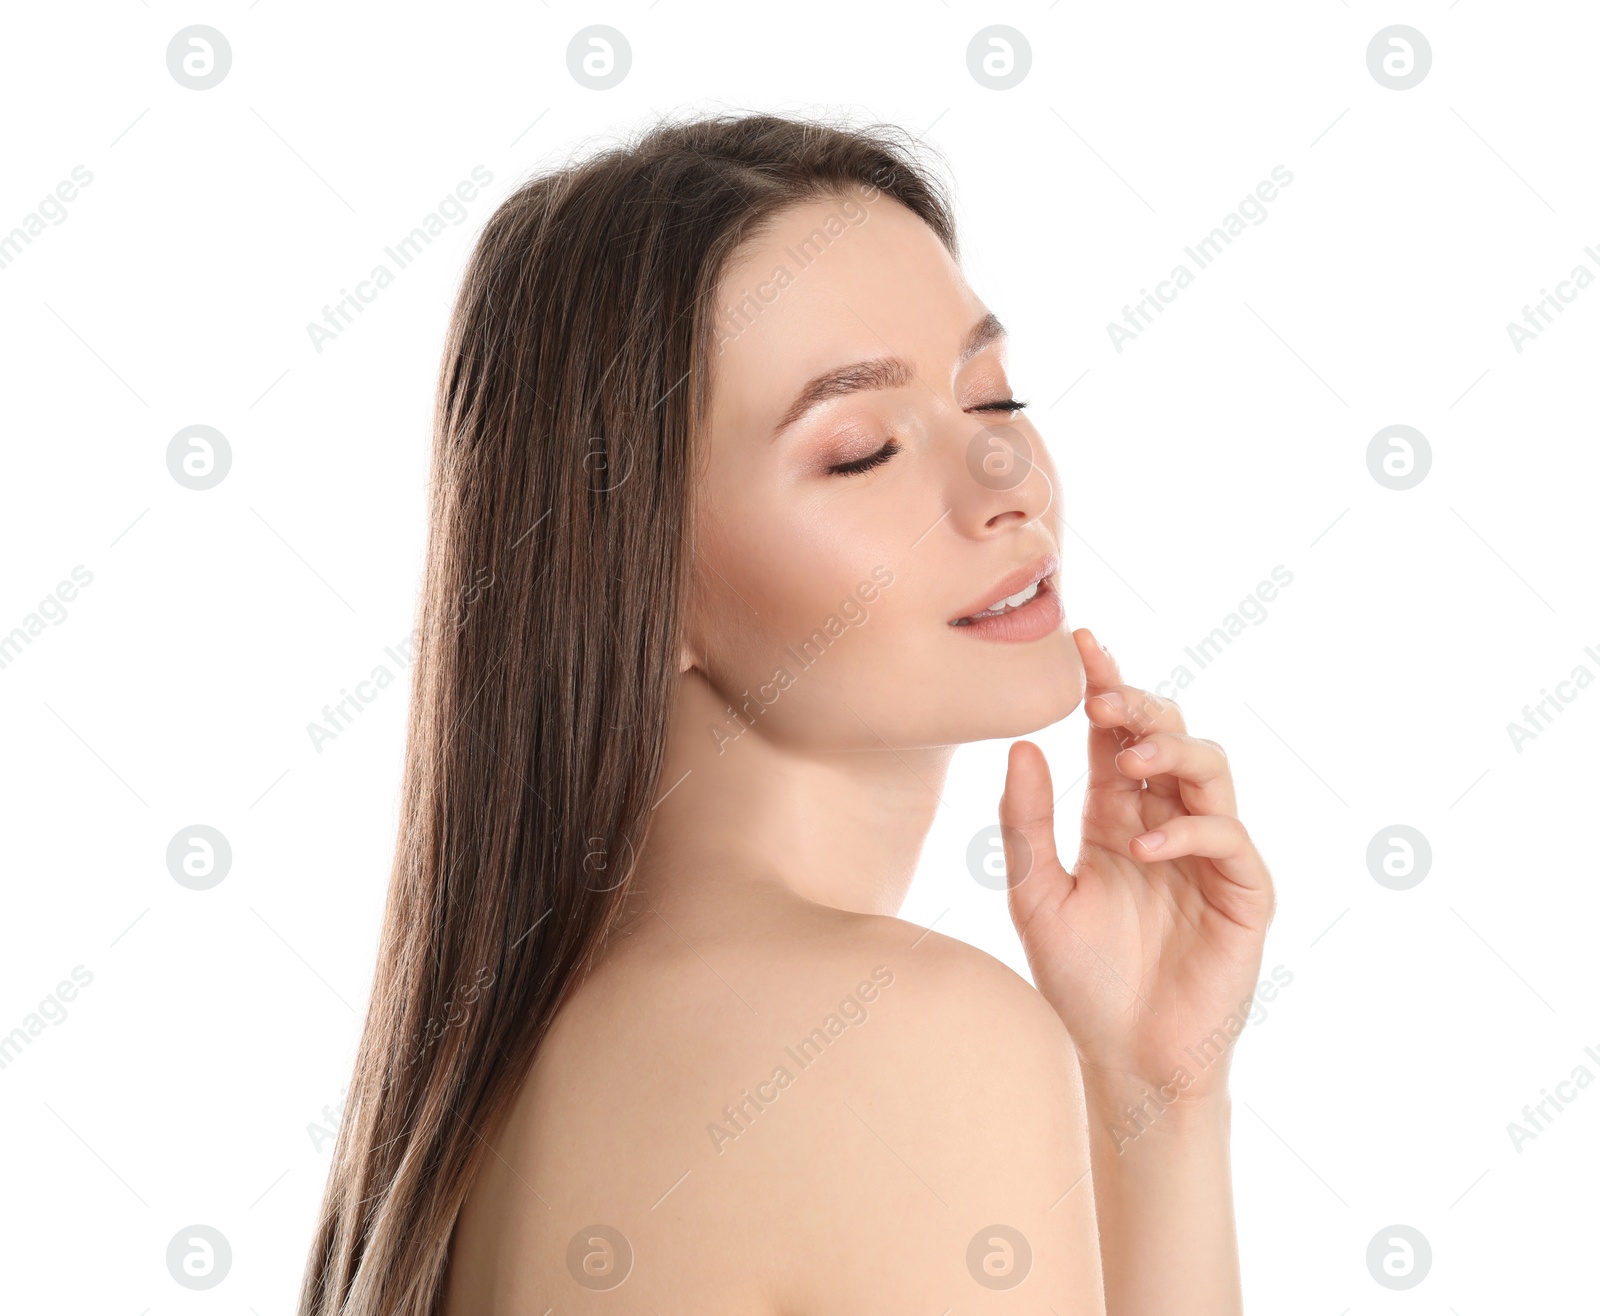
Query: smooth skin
{"points": [[1148, 945], [943, 1094]]}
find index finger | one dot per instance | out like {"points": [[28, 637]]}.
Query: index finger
{"points": [[1145, 711], [1105, 742]]}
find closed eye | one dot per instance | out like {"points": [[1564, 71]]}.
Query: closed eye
{"points": [[866, 463], [1004, 404], [863, 464]]}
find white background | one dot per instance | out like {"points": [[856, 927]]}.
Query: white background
{"points": [[1228, 439]]}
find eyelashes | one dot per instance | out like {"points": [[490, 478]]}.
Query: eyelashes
{"points": [[862, 464], [1004, 404], [866, 463]]}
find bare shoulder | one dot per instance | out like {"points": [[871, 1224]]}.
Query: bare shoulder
{"points": [[960, 1160], [792, 1109]]}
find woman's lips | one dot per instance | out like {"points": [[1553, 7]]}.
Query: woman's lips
{"points": [[1034, 620], [1013, 583]]}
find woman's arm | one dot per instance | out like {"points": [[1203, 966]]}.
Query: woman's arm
{"points": [[1165, 1203], [1148, 950]]}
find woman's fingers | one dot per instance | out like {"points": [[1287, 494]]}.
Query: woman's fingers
{"points": [[1135, 710], [1028, 829], [1184, 768], [1247, 896], [1136, 736], [1109, 702], [1113, 725]]}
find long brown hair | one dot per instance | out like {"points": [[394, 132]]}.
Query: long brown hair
{"points": [[572, 392]]}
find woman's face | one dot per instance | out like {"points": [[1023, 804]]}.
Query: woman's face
{"points": [[846, 522]]}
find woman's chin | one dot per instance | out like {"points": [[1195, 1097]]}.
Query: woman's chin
{"points": [[1005, 714], [1026, 721], [1025, 707]]}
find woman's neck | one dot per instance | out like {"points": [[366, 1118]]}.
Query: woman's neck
{"points": [[842, 829]]}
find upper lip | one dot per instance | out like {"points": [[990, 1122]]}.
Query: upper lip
{"points": [[1013, 583]]}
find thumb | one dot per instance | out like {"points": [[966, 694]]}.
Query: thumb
{"points": [[1027, 830]]}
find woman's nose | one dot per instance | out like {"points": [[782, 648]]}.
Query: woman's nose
{"points": [[998, 480]]}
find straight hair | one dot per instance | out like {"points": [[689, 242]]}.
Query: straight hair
{"points": [[571, 398]]}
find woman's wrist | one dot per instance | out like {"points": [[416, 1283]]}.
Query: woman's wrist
{"points": [[1123, 1109]]}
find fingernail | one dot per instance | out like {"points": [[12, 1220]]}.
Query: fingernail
{"points": [[1144, 749], [1112, 703], [1152, 840]]}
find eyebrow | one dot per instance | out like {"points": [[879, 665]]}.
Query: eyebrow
{"points": [[880, 372]]}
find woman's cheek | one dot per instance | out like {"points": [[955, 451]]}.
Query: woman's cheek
{"points": [[804, 558]]}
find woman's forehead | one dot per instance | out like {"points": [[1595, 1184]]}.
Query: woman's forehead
{"points": [[811, 294]]}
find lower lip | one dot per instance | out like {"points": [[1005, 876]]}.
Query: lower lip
{"points": [[1032, 621]]}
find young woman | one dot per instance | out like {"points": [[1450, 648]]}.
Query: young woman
{"points": [[737, 530]]}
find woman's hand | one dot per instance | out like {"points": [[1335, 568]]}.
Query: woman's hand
{"points": [[1150, 947]]}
